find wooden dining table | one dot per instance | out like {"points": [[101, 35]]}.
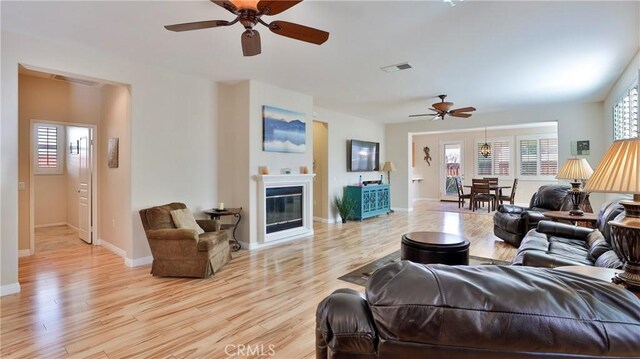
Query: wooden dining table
{"points": [[492, 187]]}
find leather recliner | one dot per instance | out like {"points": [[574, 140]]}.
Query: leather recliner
{"points": [[436, 311], [511, 223], [557, 244]]}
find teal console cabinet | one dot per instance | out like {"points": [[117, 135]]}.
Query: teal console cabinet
{"points": [[370, 201]]}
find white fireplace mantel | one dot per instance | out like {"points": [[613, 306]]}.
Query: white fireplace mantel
{"points": [[271, 181]]}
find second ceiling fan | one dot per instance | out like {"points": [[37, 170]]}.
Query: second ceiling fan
{"points": [[249, 13], [443, 109]]}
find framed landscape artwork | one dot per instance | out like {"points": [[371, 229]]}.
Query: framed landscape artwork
{"points": [[580, 148], [283, 130]]}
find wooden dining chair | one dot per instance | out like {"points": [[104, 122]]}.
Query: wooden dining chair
{"points": [[512, 196], [492, 180], [482, 193], [461, 195]]}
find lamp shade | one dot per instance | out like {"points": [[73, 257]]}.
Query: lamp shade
{"points": [[619, 170], [388, 167], [245, 4], [575, 168]]}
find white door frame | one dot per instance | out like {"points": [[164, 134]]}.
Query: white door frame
{"points": [[441, 180], [94, 178]]}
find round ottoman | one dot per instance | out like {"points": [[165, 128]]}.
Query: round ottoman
{"points": [[434, 247]]}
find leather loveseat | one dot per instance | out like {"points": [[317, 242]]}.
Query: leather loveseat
{"points": [[557, 244], [436, 311], [511, 223]]}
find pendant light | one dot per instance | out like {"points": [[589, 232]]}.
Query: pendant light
{"points": [[485, 150]]}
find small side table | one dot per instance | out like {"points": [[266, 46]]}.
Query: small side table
{"points": [[603, 274], [587, 218], [237, 213]]}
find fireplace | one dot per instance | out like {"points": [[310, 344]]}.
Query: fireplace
{"points": [[284, 207]]}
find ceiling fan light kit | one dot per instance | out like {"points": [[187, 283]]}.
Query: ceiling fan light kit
{"points": [[442, 109], [249, 13]]}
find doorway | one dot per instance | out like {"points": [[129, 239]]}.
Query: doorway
{"points": [[452, 166], [62, 201], [321, 170]]}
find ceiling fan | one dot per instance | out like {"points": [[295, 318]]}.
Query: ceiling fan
{"points": [[441, 109], [249, 13]]}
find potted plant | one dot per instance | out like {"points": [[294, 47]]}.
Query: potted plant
{"points": [[344, 205]]}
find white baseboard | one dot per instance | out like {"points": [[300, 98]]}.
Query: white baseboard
{"points": [[9, 289], [136, 262], [253, 245], [74, 227], [51, 225], [402, 209], [426, 199], [129, 262], [24, 252], [323, 220], [118, 251]]}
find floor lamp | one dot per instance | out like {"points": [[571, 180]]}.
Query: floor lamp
{"points": [[577, 170], [619, 172]]}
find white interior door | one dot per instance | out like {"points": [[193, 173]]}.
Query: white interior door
{"points": [[84, 191], [451, 165]]}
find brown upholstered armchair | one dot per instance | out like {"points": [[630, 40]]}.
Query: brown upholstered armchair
{"points": [[182, 252]]}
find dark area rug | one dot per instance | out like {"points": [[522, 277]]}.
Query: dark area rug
{"points": [[362, 274]]}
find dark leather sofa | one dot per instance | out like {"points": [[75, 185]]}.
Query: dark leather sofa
{"points": [[437, 311], [556, 244], [511, 223]]}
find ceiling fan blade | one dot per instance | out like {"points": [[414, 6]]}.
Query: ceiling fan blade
{"points": [[299, 32], [251, 43], [188, 26], [227, 5], [464, 109], [463, 115], [274, 7], [425, 114]]}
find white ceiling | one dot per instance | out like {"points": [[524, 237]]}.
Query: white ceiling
{"points": [[492, 55]]}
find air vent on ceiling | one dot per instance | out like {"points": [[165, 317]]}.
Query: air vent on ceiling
{"points": [[74, 80], [397, 67]]}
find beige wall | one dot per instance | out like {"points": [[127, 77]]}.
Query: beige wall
{"points": [[343, 127], [431, 187], [240, 134], [114, 196], [48, 100], [575, 122], [321, 170], [174, 146]]}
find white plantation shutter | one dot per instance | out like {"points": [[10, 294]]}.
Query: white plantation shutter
{"points": [[498, 163], [548, 156], [538, 156], [625, 115], [528, 157], [48, 149], [501, 152]]}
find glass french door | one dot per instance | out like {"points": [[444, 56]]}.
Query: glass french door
{"points": [[451, 166]]}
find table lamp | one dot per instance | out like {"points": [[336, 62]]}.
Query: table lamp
{"points": [[577, 169], [619, 172], [388, 167]]}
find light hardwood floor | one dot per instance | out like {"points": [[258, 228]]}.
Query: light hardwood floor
{"points": [[83, 302]]}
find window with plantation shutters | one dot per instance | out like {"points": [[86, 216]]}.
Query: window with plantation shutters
{"points": [[625, 115], [498, 163], [538, 156], [48, 152]]}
